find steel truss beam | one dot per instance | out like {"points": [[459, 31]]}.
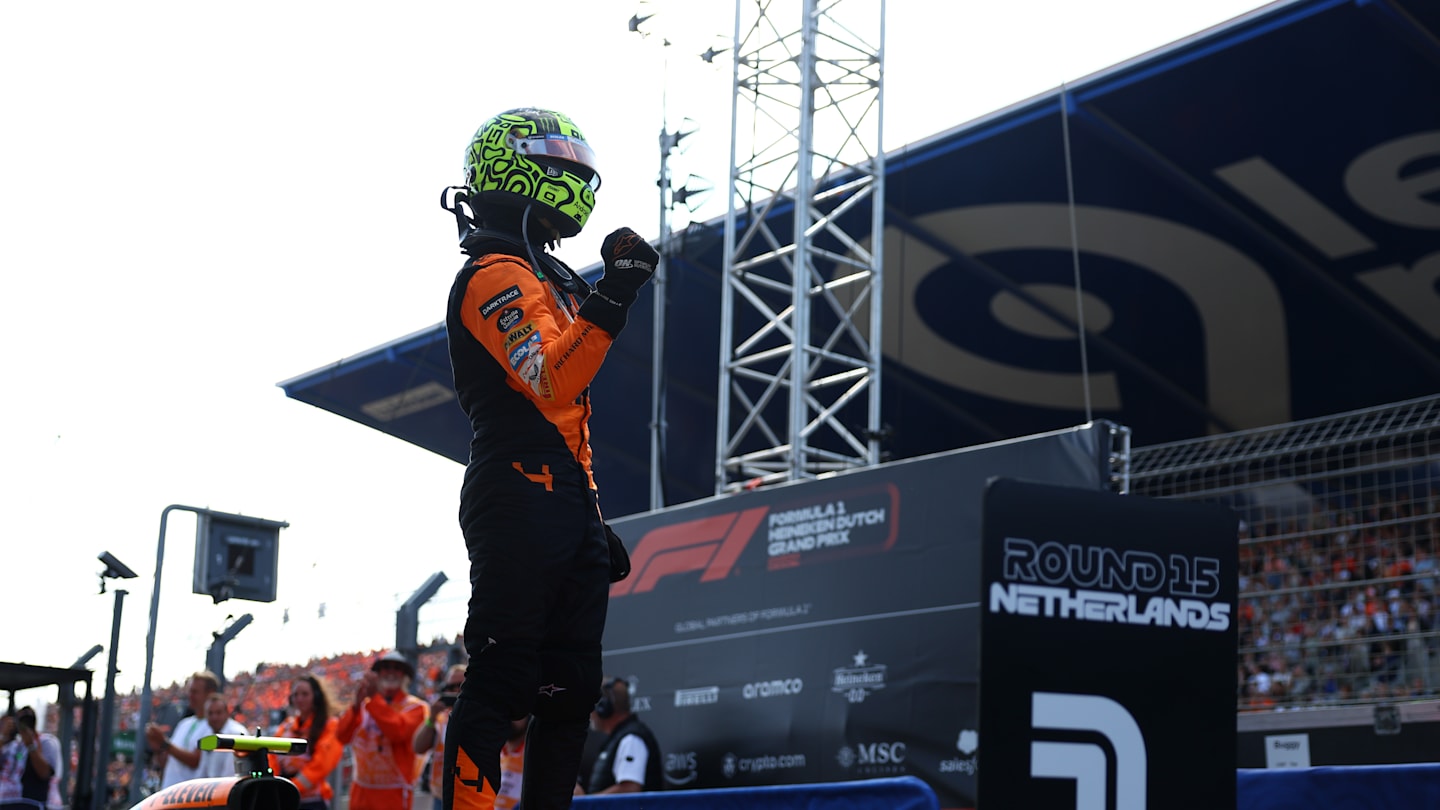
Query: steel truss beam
{"points": [[800, 309]]}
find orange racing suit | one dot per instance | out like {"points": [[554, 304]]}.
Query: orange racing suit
{"points": [[524, 351]]}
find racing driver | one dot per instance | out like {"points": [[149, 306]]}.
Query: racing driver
{"points": [[526, 336]]}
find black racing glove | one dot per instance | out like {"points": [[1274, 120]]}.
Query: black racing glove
{"points": [[629, 263]]}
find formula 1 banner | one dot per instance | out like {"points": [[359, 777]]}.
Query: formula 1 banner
{"points": [[826, 630], [1108, 651]]}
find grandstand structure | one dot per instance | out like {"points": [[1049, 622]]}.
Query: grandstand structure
{"points": [[1259, 307], [1237, 272], [800, 298], [1242, 287]]}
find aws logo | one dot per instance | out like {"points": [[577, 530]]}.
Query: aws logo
{"points": [[1087, 763]]}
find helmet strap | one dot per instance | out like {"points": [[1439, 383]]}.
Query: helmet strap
{"points": [[570, 287], [464, 222]]}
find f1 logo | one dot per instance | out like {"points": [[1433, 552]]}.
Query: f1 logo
{"points": [[1087, 763], [710, 544]]}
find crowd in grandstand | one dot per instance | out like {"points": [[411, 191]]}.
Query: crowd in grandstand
{"points": [[1339, 605]]}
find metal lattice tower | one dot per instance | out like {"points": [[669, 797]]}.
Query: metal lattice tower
{"points": [[800, 308]]}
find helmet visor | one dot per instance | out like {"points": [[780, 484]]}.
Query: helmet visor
{"points": [[560, 147]]}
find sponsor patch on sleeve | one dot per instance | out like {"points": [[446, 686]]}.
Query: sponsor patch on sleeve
{"points": [[506, 296], [508, 318], [520, 333], [529, 363], [523, 351], [534, 372]]}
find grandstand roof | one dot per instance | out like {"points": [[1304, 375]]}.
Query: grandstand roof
{"points": [[1257, 210]]}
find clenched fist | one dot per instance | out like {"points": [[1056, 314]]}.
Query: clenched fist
{"points": [[629, 262], [628, 259]]}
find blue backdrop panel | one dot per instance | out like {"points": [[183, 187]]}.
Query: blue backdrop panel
{"points": [[895, 793], [1381, 787]]}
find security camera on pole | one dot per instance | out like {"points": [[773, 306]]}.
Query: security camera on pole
{"points": [[235, 557], [114, 569]]}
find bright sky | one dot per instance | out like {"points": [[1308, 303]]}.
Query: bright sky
{"points": [[199, 200]]}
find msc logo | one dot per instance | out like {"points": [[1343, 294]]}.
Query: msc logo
{"points": [[1087, 763], [711, 545], [882, 753], [876, 758]]}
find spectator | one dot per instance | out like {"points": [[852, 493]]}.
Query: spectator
{"points": [[29, 763], [310, 718], [512, 755], [630, 761], [380, 728], [512, 766], [219, 721], [430, 737], [180, 752]]}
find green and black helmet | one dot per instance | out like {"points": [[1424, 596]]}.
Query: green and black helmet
{"points": [[531, 157]]}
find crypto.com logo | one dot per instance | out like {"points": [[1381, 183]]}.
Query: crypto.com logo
{"points": [[711, 545], [1087, 763]]}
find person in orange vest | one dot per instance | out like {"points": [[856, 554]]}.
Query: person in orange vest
{"points": [[379, 727], [312, 717]]}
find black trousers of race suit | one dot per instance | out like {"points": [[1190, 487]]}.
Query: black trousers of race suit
{"points": [[540, 581]]}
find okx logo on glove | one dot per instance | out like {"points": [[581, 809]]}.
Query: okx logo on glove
{"points": [[624, 251], [629, 263]]}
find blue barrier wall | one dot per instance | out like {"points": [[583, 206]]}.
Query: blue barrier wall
{"points": [[1381, 787], [896, 793], [1361, 787]]}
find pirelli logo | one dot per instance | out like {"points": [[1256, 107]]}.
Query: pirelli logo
{"points": [[489, 307], [700, 696]]}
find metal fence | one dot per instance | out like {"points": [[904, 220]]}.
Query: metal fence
{"points": [[1339, 521]]}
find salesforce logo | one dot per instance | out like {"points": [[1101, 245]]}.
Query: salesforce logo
{"points": [[967, 744], [775, 688]]}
